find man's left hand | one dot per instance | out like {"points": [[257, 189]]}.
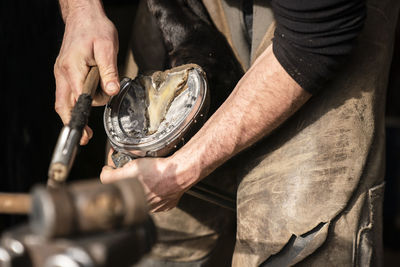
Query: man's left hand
{"points": [[159, 177], [262, 100]]}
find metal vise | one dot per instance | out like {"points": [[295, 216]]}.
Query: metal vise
{"points": [[83, 224]]}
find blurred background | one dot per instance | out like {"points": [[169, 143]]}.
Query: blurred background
{"points": [[31, 32]]}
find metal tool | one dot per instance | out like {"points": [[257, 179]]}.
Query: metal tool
{"points": [[213, 195], [80, 207], [67, 144], [15, 203], [125, 124], [20, 247], [87, 207], [126, 116], [85, 223]]}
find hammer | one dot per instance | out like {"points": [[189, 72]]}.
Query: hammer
{"points": [[80, 207], [89, 206], [67, 144]]}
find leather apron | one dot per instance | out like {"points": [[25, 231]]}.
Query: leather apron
{"points": [[310, 193]]}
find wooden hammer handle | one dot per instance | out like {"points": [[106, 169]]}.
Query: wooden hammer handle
{"points": [[15, 203], [91, 82]]}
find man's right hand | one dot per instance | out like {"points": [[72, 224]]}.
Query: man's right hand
{"points": [[90, 39]]}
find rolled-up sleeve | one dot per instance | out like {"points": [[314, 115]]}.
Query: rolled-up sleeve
{"points": [[313, 37]]}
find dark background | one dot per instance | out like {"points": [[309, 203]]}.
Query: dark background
{"points": [[31, 33], [30, 36]]}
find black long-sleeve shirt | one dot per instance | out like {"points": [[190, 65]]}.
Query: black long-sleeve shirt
{"points": [[313, 37]]}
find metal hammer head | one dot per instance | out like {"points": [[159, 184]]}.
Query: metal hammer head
{"points": [[87, 206]]}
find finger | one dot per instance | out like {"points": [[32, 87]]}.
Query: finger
{"points": [[107, 174], [110, 162], [75, 72], [110, 174], [87, 134], [105, 54], [64, 100], [100, 99]]}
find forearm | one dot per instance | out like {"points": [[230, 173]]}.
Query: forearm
{"points": [[90, 39], [68, 6], [264, 98]]}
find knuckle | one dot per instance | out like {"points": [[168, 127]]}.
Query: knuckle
{"points": [[56, 67], [64, 65], [110, 28], [56, 71], [107, 45], [102, 178], [58, 107], [106, 175], [109, 72]]}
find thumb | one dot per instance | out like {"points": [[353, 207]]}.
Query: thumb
{"points": [[106, 59], [110, 174]]}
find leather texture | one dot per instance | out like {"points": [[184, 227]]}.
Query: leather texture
{"points": [[310, 194], [321, 165]]}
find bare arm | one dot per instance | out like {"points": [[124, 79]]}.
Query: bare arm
{"points": [[68, 6], [89, 39], [264, 98]]}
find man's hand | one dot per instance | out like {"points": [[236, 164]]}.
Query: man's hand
{"points": [[90, 39], [159, 177], [264, 98]]}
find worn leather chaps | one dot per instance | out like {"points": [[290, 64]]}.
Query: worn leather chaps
{"points": [[309, 194]]}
